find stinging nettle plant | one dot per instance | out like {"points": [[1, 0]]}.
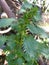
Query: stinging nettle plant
{"points": [[20, 45]]}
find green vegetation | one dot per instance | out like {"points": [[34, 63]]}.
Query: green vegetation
{"points": [[21, 46]]}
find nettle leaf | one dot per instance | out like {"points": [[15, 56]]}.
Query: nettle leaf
{"points": [[37, 30], [11, 59], [1, 43], [6, 22], [11, 41], [27, 57], [44, 49], [26, 5], [20, 61], [37, 17], [11, 44], [2, 40], [17, 26], [31, 46]]}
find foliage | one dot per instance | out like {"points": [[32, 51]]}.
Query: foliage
{"points": [[21, 47]]}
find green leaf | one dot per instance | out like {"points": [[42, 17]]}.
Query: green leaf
{"points": [[37, 30], [11, 60], [6, 22], [20, 61], [45, 50], [15, 26], [37, 17], [3, 39], [31, 46], [11, 41], [26, 5], [11, 44]]}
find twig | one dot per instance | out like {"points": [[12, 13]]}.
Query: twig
{"points": [[7, 9]]}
